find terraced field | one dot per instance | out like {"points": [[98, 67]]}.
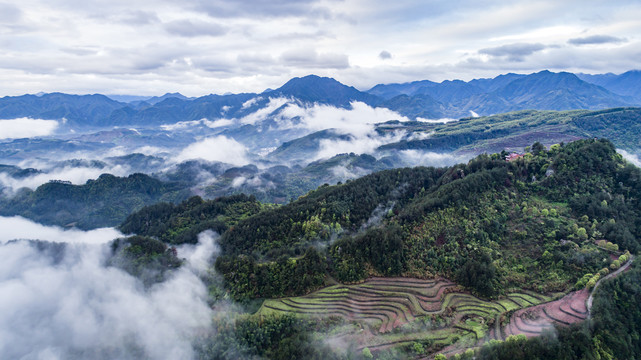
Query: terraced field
{"points": [[533, 320], [390, 308]]}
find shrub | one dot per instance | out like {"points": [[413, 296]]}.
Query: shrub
{"points": [[615, 265]]}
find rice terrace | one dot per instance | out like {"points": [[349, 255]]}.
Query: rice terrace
{"points": [[436, 315]]}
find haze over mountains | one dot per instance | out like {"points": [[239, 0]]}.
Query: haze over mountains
{"points": [[420, 99], [281, 143]]}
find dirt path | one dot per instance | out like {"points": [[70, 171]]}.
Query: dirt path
{"points": [[620, 270]]}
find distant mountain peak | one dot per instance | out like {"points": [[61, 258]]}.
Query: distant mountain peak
{"points": [[317, 89]]}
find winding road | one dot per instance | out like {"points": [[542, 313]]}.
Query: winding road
{"points": [[588, 303]]}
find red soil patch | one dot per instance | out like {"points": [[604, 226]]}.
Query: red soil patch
{"points": [[532, 321]]}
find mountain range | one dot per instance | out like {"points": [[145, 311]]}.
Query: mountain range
{"points": [[543, 90]]}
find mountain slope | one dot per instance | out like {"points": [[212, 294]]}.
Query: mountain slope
{"points": [[544, 90], [451, 99], [87, 110], [557, 91], [627, 84], [323, 90], [513, 131], [491, 214]]}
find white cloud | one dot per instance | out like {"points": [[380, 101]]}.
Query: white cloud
{"points": [[76, 175], [76, 308], [199, 256], [238, 181], [630, 157], [17, 227], [436, 121], [359, 145], [427, 158], [359, 120], [152, 48], [26, 127], [217, 148], [181, 125], [262, 113]]}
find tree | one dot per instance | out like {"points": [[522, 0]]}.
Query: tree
{"points": [[537, 148], [479, 275]]}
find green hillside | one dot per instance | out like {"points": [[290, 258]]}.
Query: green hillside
{"points": [[416, 261], [102, 202], [516, 130]]}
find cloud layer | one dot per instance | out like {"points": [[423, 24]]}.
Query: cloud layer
{"points": [[26, 128], [71, 306], [217, 148], [199, 47], [17, 227]]}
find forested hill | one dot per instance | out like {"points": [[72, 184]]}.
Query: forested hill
{"points": [[102, 202], [492, 225]]}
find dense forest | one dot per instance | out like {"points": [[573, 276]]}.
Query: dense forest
{"points": [[179, 224], [102, 202], [549, 221], [491, 224]]}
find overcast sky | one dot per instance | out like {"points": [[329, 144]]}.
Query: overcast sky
{"points": [[197, 47]]}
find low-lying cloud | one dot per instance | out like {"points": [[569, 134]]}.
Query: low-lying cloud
{"points": [[216, 148], [213, 124], [358, 120], [17, 227], [26, 128], [199, 256], [427, 158], [365, 144], [73, 174], [630, 157], [72, 306]]}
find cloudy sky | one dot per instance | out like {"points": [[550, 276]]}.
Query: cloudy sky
{"points": [[199, 47]]}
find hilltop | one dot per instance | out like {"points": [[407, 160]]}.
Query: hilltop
{"points": [[440, 257]]}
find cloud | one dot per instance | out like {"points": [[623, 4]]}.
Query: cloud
{"points": [[17, 227], [76, 175], [596, 39], [385, 55], [258, 8], [139, 17], [365, 144], [26, 127], [9, 13], [189, 28], [262, 113], [358, 120], [217, 148], [181, 125], [76, 308], [514, 52], [630, 157], [150, 60], [427, 158], [309, 58], [199, 256]]}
